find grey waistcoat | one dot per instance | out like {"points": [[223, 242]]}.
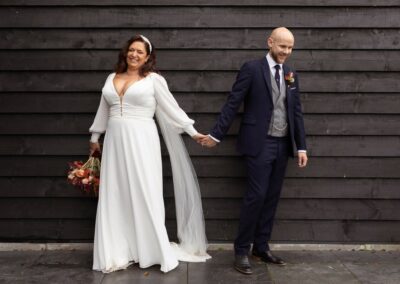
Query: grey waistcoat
{"points": [[278, 126]]}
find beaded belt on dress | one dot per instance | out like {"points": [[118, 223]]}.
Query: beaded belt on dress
{"points": [[132, 113]]}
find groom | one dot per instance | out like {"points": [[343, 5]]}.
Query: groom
{"points": [[271, 130]]}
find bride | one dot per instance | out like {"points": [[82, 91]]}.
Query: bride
{"points": [[130, 219]]}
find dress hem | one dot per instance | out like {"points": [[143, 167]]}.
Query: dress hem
{"points": [[125, 266]]}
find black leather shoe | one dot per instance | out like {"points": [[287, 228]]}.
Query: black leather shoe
{"points": [[242, 264], [268, 257]]}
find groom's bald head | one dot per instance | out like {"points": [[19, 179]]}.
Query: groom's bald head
{"points": [[282, 33], [280, 43]]}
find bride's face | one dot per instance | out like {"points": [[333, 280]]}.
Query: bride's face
{"points": [[137, 55]]}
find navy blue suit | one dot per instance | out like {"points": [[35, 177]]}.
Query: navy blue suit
{"points": [[266, 157]]}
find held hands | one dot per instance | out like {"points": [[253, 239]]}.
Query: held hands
{"points": [[204, 140], [208, 142], [198, 137], [302, 159]]}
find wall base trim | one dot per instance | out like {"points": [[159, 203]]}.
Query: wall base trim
{"points": [[212, 246]]}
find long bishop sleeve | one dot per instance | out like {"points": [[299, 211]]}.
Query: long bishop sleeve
{"points": [[99, 125], [167, 104]]}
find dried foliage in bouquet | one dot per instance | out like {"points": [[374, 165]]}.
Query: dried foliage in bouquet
{"points": [[86, 176]]}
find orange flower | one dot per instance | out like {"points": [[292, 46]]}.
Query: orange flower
{"points": [[80, 173]]}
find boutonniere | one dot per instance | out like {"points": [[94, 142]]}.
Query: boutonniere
{"points": [[289, 78]]}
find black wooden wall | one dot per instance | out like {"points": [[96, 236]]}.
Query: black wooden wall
{"points": [[55, 56]]}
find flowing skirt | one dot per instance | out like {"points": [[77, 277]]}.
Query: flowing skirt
{"points": [[130, 219]]}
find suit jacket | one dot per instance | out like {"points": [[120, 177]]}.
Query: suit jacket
{"points": [[253, 87]]}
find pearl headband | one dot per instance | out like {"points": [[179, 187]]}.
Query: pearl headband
{"points": [[147, 41]]}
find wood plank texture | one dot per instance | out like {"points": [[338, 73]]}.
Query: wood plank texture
{"points": [[296, 188], [199, 38], [195, 17], [198, 81], [199, 102], [288, 209], [257, 3], [217, 60], [316, 124], [55, 56], [284, 231], [319, 167], [318, 146]]}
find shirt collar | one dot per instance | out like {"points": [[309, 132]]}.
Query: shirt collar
{"points": [[272, 62]]}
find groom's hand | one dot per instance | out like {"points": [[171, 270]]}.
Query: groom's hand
{"points": [[302, 159]]}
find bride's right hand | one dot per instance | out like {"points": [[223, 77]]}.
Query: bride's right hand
{"points": [[93, 147], [197, 137]]}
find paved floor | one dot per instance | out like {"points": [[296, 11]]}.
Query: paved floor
{"points": [[74, 266]]}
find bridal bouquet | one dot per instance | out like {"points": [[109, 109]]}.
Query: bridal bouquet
{"points": [[86, 176]]}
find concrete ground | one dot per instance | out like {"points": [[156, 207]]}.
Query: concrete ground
{"points": [[74, 266]]}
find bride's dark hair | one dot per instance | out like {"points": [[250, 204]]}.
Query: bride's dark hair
{"points": [[149, 66]]}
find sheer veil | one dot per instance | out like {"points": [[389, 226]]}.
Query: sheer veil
{"points": [[189, 213]]}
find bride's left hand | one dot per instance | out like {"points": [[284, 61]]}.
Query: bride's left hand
{"points": [[94, 147]]}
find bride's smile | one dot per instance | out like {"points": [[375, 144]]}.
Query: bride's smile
{"points": [[137, 55]]}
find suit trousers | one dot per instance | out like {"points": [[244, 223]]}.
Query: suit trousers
{"points": [[265, 174]]}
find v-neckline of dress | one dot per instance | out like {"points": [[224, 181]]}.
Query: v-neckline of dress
{"points": [[126, 90]]}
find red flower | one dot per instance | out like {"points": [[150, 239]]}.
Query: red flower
{"points": [[85, 176], [289, 77]]}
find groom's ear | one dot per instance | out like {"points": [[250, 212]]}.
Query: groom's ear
{"points": [[269, 42]]}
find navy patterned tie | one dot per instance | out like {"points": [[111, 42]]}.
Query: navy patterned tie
{"points": [[277, 76]]}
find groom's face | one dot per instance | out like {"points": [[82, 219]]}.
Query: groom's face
{"points": [[280, 48]]}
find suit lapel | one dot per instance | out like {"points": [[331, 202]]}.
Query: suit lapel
{"points": [[267, 77]]}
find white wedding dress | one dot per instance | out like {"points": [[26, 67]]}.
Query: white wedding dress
{"points": [[130, 219]]}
